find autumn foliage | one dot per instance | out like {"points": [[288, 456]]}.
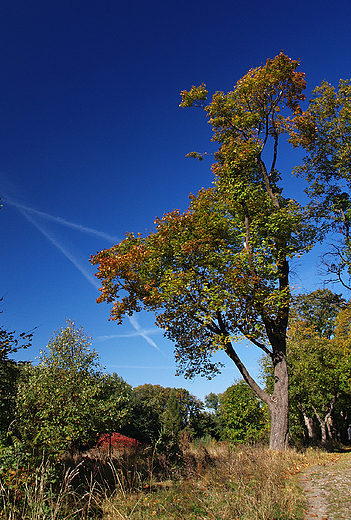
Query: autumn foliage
{"points": [[117, 441], [219, 272]]}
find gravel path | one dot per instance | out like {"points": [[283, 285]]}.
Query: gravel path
{"points": [[328, 489]]}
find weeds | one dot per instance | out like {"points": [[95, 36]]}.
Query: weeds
{"points": [[219, 482], [215, 481]]}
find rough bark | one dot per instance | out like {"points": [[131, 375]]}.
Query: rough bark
{"points": [[279, 407]]}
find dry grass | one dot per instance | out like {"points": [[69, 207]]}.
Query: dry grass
{"points": [[216, 481], [219, 482]]}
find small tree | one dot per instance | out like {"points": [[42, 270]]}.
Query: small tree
{"points": [[242, 417], [66, 401], [171, 427]]}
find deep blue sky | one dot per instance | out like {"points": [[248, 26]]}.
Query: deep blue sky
{"points": [[91, 133]]}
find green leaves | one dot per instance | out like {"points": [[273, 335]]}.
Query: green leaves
{"points": [[219, 271], [324, 131], [66, 401], [242, 417]]}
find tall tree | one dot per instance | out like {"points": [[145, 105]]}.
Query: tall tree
{"points": [[219, 271]]}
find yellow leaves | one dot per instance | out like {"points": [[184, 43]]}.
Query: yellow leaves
{"points": [[196, 96]]}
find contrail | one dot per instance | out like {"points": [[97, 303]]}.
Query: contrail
{"points": [[134, 322], [129, 334], [27, 212], [60, 220], [67, 254], [138, 332], [141, 368]]}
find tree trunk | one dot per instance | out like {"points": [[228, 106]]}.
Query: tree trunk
{"points": [[323, 433], [278, 402], [279, 408], [331, 428], [311, 428], [323, 424]]}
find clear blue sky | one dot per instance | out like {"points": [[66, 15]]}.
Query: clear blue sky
{"points": [[93, 144]]}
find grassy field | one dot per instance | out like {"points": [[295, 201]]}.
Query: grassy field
{"points": [[210, 481]]}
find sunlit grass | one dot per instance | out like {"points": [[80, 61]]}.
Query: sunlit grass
{"points": [[215, 481], [221, 482]]}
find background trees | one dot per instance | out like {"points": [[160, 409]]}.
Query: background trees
{"points": [[9, 374], [319, 362], [150, 403]]}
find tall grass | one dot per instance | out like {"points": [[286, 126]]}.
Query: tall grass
{"points": [[38, 495], [218, 482], [215, 481]]}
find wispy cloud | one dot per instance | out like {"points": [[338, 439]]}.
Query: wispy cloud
{"points": [[139, 331], [30, 214], [142, 332], [78, 227], [63, 250]]}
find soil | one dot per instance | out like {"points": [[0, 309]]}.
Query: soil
{"points": [[328, 489]]}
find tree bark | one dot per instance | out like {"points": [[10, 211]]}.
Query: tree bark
{"points": [[311, 428], [323, 424], [279, 408]]}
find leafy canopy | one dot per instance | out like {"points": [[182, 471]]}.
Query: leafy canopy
{"points": [[219, 270], [324, 131]]}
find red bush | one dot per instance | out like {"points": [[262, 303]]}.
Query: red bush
{"points": [[116, 440]]}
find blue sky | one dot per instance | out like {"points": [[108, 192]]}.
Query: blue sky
{"points": [[93, 144]]}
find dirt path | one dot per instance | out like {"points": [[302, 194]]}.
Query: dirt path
{"points": [[328, 489]]}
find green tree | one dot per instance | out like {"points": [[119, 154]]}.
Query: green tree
{"points": [[324, 130], [242, 417], [220, 271], [212, 421], [66, 401], [212, 402], [319, 361], [9, 373]]}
